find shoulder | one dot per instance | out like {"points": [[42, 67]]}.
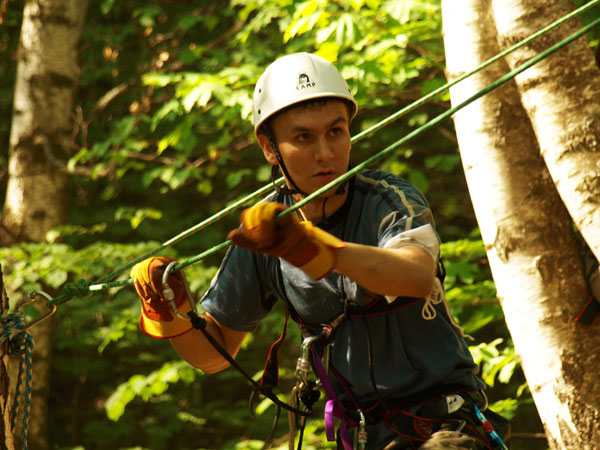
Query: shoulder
{"points": [[387, 205], [380, 186], [241, 294]]}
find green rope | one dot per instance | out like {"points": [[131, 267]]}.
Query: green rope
{"points": [[499, 82], [81, 289], [387, 151], [78, 288], [482, 66]]}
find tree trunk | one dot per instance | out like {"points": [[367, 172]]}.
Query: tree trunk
{"points": [[6, 435], [527, 232], [561, 95], [42, 125], [41, 140]]}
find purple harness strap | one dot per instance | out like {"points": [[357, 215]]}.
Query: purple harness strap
{"points": [[334, 407]]}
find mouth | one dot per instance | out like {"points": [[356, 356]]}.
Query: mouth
{"points": [[325, 173]]}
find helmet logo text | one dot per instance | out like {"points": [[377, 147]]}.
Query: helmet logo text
{"points": [[304, 82]]}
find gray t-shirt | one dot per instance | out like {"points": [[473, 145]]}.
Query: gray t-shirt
{"points": [[413, 349]]}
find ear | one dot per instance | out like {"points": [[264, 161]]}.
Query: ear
{"points": [[267, 149]]}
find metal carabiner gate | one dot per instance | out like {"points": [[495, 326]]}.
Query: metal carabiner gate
{"points": [[303, 364], [360, 441], [169, 295], [31, 299]]}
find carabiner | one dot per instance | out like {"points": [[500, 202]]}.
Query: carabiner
{"points": [[169, 295], [32, 297], [489, 428], [303, 362], [361, 438]]}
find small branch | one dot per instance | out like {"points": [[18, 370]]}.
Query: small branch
{"points": [[165, 160], [149, 158], [110, 96], [447, 134], [420, 50], [525, 435], [62, 166], [218, 41]]}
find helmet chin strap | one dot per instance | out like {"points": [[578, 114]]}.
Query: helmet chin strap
{"points": [[288, 177]]}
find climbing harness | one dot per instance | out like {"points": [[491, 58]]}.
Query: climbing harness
{"points": [[313, 349], [354, 416], [20, 343]]}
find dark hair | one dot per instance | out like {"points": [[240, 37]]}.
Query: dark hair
{"points": [[304, 105]]}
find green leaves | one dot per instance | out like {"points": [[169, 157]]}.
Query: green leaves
{"points": [[148, 386], [146, 15], [135, 216], [307, 15], [472, 298], [497, 364]]}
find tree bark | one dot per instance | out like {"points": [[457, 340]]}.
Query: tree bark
{"points": [[41, 140], [531, 247], [561, 96], [6, 435], [42, 125]]}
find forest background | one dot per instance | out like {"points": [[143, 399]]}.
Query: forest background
{"points": [[161, 140]]}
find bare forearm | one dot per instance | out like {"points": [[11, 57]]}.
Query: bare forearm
{"points": [[408, 271], [199, 352]]}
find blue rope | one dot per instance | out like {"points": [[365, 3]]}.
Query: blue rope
{"points": [[20, 343]]}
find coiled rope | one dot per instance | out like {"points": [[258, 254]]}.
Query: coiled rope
{"points": [[20, 343]]}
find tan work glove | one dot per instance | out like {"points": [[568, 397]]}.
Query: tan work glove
{"points": [[300, 243], [157, 319]]}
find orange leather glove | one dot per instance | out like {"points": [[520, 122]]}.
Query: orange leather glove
{"points": [[300, 243], [156, 319]]}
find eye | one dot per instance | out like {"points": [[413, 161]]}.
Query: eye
{"points": [[303, 137], [335, 131]]}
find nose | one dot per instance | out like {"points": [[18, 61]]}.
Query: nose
{"points": [[323, 150]]}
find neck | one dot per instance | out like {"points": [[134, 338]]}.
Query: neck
{"points": [[313, 210]]}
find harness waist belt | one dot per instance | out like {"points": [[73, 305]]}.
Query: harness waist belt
{"points": [[433, 401]]}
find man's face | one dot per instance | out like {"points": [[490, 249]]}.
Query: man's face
{"points": [[314, 143]]}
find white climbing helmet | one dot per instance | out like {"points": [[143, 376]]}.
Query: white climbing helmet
{"points": [[295, 78]]}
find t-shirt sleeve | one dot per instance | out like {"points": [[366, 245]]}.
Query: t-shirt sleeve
{"points": [[404, 217], [238, 297]]}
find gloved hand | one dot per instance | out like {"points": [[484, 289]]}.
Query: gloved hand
{"points": [[156, 319], [447, 440], [300, 243]]}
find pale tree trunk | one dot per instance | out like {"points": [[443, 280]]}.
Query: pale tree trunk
{"points": [[41, 140], [527, 232], [561, 95], [42, 124]]}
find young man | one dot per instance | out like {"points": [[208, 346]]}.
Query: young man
{"points": [[363, 255]]}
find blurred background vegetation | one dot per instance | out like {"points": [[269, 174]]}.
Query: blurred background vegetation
{"points": [[163, 140]]}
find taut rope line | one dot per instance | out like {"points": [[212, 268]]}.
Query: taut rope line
{"points": [[82, 286]]}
